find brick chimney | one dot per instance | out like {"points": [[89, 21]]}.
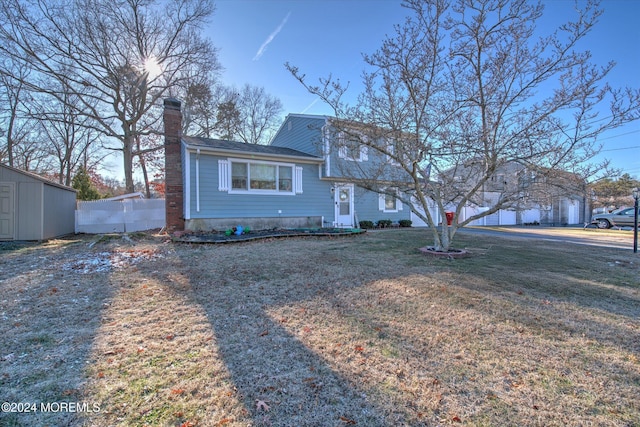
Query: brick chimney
{"points": [[173, 165]]}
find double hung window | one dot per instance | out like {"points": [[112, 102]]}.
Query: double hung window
{"points": [[388, 202], [350, 148]]}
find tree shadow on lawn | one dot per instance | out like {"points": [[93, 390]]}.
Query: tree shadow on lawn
{"points": [[49, 317], [257, 307], [268, 363], [308, 333], [281, 360]]}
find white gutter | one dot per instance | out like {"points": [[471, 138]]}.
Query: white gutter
{"points": [[198, 180], [263, 156], [326, 150]]}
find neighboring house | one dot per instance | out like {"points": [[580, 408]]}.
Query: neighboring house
{"points": [[293, 182], [546, 198], [34, 208]]}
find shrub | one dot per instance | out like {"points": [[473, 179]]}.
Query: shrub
{"points": [[405, 223], [365, 225], [384, 223]]}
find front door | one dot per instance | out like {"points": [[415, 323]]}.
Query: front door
{"points": [[6, 210], [344, 205]]}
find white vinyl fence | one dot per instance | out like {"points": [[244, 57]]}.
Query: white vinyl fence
{"points": [[119, 216]]}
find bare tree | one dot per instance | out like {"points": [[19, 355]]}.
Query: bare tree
{"points": [[70, 138], [13, 93], [464, 88], [199, 110], [227, 114], [119, 57], [251, 115], [259, 114]]}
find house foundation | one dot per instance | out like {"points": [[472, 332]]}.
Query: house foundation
{"points": [[209, 224]]}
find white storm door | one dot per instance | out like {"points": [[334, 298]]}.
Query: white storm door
{"points": [[344, 206], [6, 210]]}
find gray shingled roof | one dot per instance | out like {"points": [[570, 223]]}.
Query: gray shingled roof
{"points": [[242, 147]]}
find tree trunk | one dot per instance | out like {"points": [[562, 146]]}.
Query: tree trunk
{"points": [[145, 176], [127, 154]]}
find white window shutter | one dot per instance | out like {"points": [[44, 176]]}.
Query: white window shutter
{"points": [[364, 153], [398, 204], [223, 175], [381, 202], [298, 183], [342, 152]]}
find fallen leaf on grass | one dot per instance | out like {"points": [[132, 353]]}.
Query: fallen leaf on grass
{"points": [[177, 391], [359, 348], [188, 424], [261, 404], [347, 421], [263, 333], [223, 421], [456, 419]]}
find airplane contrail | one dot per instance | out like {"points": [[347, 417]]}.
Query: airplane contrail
{"points": [[271, 37]]}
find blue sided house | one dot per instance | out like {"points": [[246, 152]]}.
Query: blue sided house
{"points": [[294, 182]]}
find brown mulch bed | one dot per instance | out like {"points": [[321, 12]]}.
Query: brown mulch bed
{"points": [[224, 237]]}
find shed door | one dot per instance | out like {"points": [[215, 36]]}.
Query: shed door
{"points": [[6, 210]]}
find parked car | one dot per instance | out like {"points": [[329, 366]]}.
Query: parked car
{"points": [[618, 218]]}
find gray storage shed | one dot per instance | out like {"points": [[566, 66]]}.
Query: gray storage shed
{"points": [[34, 208]]}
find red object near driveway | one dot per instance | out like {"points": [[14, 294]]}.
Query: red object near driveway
{"points": [[449, 217]]}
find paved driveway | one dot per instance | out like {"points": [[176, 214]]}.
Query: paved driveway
{"points": [[622, 239]]}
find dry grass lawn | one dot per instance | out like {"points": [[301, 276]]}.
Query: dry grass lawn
{"points": [[360, 330]]}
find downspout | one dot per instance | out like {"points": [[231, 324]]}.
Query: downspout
{"points": [[326, 147], [198, 180]]}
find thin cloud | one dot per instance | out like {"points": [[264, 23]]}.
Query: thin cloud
{"points": [[271, 37], [310, 105]]}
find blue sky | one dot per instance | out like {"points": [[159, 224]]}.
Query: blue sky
{"points": [[322, 37]]}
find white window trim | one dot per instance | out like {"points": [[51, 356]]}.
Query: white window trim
{"points": [[342, 150], [392, 151], [382, 205], [296, 176]]}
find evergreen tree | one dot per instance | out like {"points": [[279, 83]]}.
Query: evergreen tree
{"points": [[82, 182]]}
